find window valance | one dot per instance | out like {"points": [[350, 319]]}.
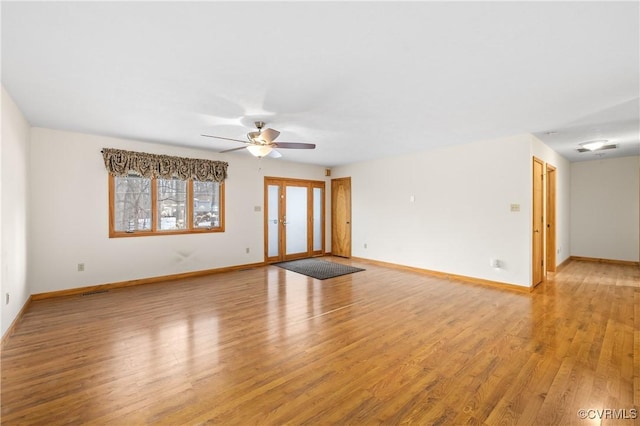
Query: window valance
{"points": [[122, 163]]}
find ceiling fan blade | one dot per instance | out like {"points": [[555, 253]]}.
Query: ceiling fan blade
{"points": [[294, 145], [226, 139], [233, 149], [269, 135]]}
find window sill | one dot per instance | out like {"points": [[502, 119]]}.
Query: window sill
{"points": [[160, 233]]}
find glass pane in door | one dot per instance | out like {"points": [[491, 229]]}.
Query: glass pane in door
{"points": [[296, 220], [273, 199], [317, 219]]}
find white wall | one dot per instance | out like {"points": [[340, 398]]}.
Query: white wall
{"points": [[605, 208], [69, 198], [563, 196], [461, 216], [13, 195]]}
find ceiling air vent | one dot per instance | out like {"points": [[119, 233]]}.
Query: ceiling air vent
{"points": [[612, 146]]}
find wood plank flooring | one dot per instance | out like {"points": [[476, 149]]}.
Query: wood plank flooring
{"points": [[383, 346]]}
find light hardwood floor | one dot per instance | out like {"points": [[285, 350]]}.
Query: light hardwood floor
{"points": [[268, 346]]}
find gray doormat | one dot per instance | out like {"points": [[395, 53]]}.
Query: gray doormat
{"points": [[319, 269]]}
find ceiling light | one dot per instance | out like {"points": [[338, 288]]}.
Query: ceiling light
{"points": [[259, 150], [593, 145]]}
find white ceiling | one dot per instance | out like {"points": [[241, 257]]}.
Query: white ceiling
{"points": [[362, 80]]}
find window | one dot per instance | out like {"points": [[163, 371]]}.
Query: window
{"points": [[206, 205], [132, 204], [153, 194], [172, 204], [153, 206]]}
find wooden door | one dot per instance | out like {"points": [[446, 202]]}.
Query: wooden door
{"points": [[550, 246], [293, 218], [341, 217], [537, 263]]}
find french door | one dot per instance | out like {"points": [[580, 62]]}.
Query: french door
{"points": [[294, 218]]}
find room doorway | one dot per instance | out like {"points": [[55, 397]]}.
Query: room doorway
{"points": [[293, 218], [537, 264], [341, 217]]}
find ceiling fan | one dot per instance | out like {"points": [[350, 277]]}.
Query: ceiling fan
{"points": [[261, 143]]}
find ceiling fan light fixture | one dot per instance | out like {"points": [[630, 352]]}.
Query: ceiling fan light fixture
{"points": [[259, 150], [594, 145]]}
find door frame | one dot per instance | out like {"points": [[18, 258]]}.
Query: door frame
{"points": [[283, 183]]}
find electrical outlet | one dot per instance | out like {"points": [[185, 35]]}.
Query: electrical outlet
{"points": [[365, 245], [247, 250], [6, 299], [80, 267]]}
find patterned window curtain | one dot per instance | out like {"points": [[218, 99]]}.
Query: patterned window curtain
{"points": [[122, 163]]}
